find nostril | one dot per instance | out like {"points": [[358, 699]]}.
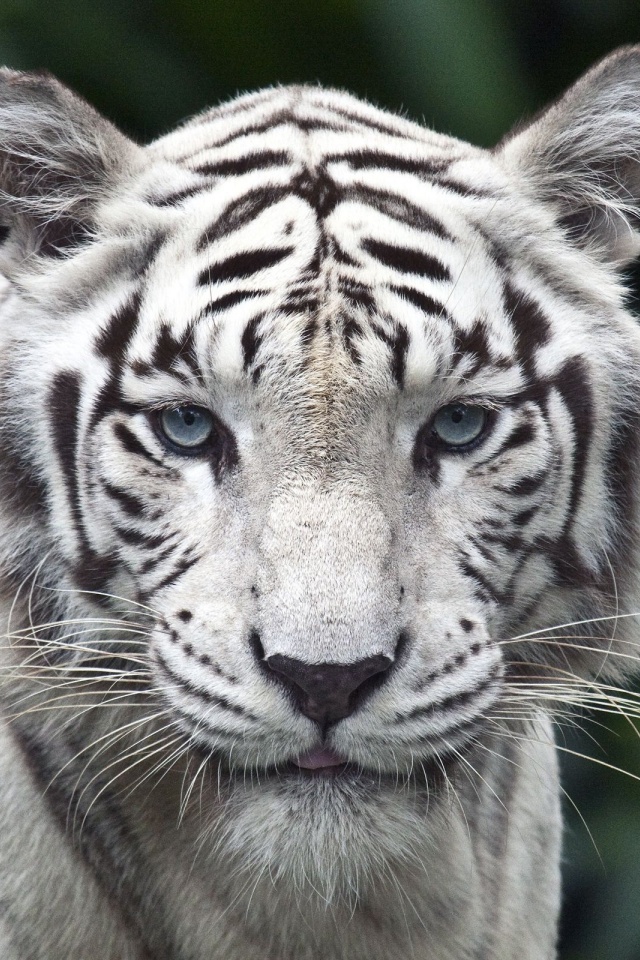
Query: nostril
{"points": [[328, 692]]}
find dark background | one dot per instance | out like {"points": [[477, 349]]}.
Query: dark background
{"points": [[468, 67]]}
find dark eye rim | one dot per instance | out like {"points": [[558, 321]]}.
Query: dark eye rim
{"points": [[429, 439], [215, 443]]}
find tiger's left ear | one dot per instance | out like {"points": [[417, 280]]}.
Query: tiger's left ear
{"points": [[582, 156], [58, 158]]}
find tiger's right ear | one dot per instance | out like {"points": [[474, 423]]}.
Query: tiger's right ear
{"points": [[58, 159]]}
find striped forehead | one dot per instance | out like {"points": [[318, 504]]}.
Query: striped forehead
{"points": [[308, 183], [312, 123], [321, 220], [375, 252]]}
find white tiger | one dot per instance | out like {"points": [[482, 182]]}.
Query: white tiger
{"points": [[319, 473]]}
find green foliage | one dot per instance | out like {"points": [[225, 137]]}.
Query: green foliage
{"points": [[468, 67]]}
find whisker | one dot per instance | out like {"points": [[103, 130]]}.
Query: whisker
{"points": [[146, 754], [575, 623], [562, 790], [108, 596], [111, 737], [577, 753], [562, 643], [615, 623]]}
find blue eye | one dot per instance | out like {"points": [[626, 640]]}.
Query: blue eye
{"points": [[459, 424], [187, 427]]}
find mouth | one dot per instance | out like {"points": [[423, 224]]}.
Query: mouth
{"points": [[324, 764], [321, 762]]}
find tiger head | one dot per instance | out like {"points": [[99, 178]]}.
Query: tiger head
{"points": [[341, 415]]}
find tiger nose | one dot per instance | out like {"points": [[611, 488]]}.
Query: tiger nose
{"points": [[328, 692]]}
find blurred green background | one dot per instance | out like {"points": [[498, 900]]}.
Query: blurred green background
{"points": [[468, 67]]}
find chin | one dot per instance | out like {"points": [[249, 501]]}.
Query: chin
{"points": [[326, 838]]}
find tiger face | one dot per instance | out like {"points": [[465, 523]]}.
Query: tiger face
{"points": [[337, 412]]}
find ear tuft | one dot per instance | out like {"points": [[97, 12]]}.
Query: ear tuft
{"points": [[582, 155], [58, 158]]}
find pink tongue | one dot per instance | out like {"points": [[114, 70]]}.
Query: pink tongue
{"points": [[317, 758]]}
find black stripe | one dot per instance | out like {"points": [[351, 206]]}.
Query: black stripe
{"points": [[463, 189], [574, 386], [112, 344], [131, 505], [275, 120], [278, 119], [399, 209], [308, 332], [424, 460], [531, 326], [178, 571], [318, 190], [406, 259], [423, 301], [245, 164], [246, 103], [526, 485], [390, 127], [621, 475], [381, 160], [356, 294], [250, 341], [313, 124], [240, 212], [169, 350], [512, 541], [200, 693], [433, 169], [455, 701], [299, 299], [196, 726], [398, 342], [569, 567], [140, 539], [341, 256], [133, 445], [114, 339], [175, 198], [152, 562], [485, 589], [472, 345], [522, 434], [525, 516], [482, 548], [231, 299], [22, 488], [241, 266], [93, 570], [351, 331]]}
